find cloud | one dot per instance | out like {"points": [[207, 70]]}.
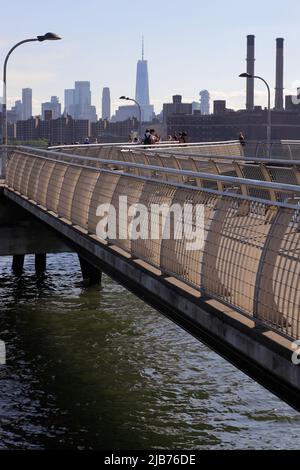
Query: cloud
{"points": [[5, 42], [31, 77], [219, 94]]}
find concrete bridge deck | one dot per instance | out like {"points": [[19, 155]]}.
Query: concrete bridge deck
{"points": [[239, 292]]}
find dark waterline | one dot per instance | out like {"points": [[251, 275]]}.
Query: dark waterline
{"points": [[91, 368]]}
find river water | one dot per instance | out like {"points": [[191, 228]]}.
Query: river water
{"points": [[97, 368]]}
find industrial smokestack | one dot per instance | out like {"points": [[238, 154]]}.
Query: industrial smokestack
{"points": [[250, 69], [279, 75]]}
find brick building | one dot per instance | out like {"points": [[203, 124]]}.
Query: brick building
{"points": [[62, 130], [228, 124]]}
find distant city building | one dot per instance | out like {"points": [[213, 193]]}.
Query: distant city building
{"points": [[92, 113], [219, 106], [106, 103], [26, 103], [176, 107], [204, 102], [82, 99], [195, 106], [27, 129], [54, 106], [292, 102], [97, 128], [15, 113], [11, 128], [62, 130], [82, 102], [11, 131], [105, 131], [227, 124], [142, 89], [48, 115], [19, 109], [69, 101], [78, 102], [67, 130], [125, 112]]}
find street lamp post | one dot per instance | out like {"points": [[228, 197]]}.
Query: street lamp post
{"points": [[139, 108], [45, 37], [269, 122]]}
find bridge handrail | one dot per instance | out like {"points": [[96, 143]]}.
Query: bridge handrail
{"points": [[127, 144], [114, 144], [279, 187], [173, 150], [250, 258], [222, 157]]}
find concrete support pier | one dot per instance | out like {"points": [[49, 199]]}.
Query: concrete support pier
{"points": [[40, 263], [90, 274], [18, 264]]}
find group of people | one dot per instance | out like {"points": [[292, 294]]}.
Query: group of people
{"points": [[180, 137], [151, 137]]}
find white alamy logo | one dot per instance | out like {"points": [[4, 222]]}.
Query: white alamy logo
{"points": [[159, 221]]}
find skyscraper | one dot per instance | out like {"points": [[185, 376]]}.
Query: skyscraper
{"points": [[82, 102], [18, 109], [26, 103], [142, 88], [82, 95], [106, 103], [69, 101], [52, 105], [204, 102], [78, 102]]}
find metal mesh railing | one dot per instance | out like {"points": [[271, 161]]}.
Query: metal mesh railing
{"points": [[187, 169], [216, 158], [249, 247], [284, 149]]}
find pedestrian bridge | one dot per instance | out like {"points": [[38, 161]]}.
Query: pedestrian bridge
{"points": [[238, 290]]}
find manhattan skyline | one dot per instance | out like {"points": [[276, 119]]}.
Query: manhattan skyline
{"points": [[198, 51]]}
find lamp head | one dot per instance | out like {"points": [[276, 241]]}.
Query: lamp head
{"points": [[48, 37], [246, 75]]}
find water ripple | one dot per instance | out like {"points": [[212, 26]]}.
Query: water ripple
{"points": [[98, 368]]}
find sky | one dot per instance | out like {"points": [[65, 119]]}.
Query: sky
{"points": [[190, 46]]}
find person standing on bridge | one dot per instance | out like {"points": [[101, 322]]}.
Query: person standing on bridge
{"points": [[147, 138], [182, 137], [242, 139], [153, 136]]}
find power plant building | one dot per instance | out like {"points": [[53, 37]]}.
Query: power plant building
{"points": [[225, 124]]}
